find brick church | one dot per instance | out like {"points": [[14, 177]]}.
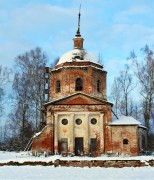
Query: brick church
{"points": [[78, 114]]}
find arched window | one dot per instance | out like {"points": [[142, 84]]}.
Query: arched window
{"points": [[98, 86], [57, 86], [125, 141], [78, 86]]}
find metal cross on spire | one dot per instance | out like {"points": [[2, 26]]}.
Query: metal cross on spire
{"points": [[78, 31]]}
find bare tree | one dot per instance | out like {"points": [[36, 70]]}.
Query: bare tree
{"points": [[121, 92], [4, 79], [22, 108], [115, 95], [144, 71], [126, 85], [1, 99], [28, 89], [31, 68], [4, 75]]}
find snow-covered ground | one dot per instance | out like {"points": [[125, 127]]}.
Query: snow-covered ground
{"points": [[26, 156], [74, 173], [70, 173]]}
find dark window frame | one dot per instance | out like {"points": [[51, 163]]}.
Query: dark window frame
{"points": [[98, 85], [125, 141], [79, 84], [93, 144], [58, 86]]}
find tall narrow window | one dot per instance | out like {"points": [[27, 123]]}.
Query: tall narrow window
{"points": [[57, 86], [98, 86], [93, 144], [78, 86], [64, 144]]}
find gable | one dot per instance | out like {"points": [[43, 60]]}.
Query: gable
{"points": [[79, 99]]}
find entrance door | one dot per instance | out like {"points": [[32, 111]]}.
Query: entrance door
{"points": [[78, 146], [64, 144]]}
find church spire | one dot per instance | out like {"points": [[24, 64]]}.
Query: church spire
{"points": [[78, 30], [78, 40]]}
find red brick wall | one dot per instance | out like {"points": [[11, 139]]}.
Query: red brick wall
{"points": [[125, 132], [79, 108], [68, 76], [78, 43], [44, 141], [107, 130]]}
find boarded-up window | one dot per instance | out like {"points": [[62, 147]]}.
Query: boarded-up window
{"points": [[93, 144]]}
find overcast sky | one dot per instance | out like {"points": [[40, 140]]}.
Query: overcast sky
{"points": [[111, 28]]}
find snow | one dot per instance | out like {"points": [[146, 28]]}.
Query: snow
{"points": [[69, 173], [26, 156], [37, 134], [70, 57], [78, 67], [126, 120], [75, 173]]}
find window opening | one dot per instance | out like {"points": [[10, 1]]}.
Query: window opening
{"points": [[64, 121], [125, 141], [79, 148], [93, 121], [93, 144], [78, 86], [98, 86], [78, 121], [64, 144], [57, 86]]}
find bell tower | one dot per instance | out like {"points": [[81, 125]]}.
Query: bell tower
{"points": [[78, 40]]}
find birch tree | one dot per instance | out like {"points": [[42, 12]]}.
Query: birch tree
{"points": [[121, 92], [28, 90], [4, 79], [30, 67], [144, 71]]}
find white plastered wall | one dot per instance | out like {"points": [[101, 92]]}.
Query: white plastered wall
{"points": [[72, 130]]}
